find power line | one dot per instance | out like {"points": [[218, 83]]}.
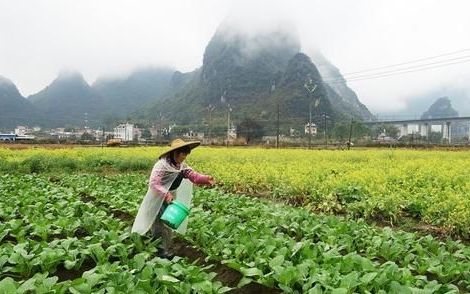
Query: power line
{"points": [[392, 73], [406, 62], [413, 66]]}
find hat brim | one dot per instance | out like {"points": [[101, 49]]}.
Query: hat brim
{"points": [[191, 145]]}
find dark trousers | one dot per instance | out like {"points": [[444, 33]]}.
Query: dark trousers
{"points": [[160, 230]]}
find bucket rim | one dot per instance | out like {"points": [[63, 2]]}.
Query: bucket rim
{"points": [[181, 205]]}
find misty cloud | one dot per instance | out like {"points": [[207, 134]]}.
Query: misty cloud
{"points": [[112, 38]]}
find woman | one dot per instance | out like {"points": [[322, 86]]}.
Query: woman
{"points": [[165, 178]]}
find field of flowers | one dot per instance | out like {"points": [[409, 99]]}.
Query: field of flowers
{"points": [[395, 186], [62, 230]]}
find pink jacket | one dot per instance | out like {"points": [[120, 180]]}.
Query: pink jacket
{"points": [[156, 184]]}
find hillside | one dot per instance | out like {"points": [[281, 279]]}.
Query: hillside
{"points": [[344, 99], [442, 107], [249, 73], [14, 108], [124, 95], [252, 74], [69, 100]]}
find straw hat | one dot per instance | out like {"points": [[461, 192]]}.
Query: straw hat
{"points": [[178, 143]]}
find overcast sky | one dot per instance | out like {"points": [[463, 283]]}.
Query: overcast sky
{"points": [[39, 38]]}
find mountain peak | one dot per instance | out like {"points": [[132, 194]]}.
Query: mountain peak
{"points": [[7, 85], [14, 108], [300, 70], [343, 98], [69, 74], [235, 60], [441, 108], [8, 88], [5, 81], [67, 99], [67, 77], [247, 45]]}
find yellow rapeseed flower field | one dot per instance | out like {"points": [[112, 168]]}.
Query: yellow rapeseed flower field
{"points": [[389, 185]]}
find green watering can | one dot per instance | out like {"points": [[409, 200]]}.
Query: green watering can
{"points": [[174, 214]]}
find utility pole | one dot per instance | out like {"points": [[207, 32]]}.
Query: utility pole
{"points": [[229, 109], [159, 131], [125, 132], [86, 121], [273, 88], [277, 135], [350, 133], [102, 137], [210, 108], [309, 125], [325, 133], [310, 87]]}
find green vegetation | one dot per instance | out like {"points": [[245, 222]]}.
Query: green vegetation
{"points": [[53, 242], [58, 233]]}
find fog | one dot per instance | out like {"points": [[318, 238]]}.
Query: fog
{"points": [[39, 39]]}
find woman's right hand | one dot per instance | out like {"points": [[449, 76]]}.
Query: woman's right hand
{"points": [[211, 181], [168, 197]]}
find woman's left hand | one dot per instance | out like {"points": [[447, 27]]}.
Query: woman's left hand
{"points": [[168, 197]]}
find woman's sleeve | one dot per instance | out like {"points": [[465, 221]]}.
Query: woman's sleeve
{"points": [[196, 177], [155, 182]]}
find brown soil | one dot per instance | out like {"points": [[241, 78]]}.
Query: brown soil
{"points": [[12, 239], [119, 214], [255, 288], [80, 233], [64, 274], [225, 274], [86, 198], [9, 238], [122, 215], [412, 225]]}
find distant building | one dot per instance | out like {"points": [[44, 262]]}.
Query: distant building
{"points": [[194, 135], [126, 132], [383, 138], [232, 132], [293, 132], [60, 133], [21, 130], [310, 128], [159, 133]]}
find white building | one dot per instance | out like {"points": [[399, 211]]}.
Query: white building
{"points": [[193, 135], [310, 128], [232, 132], [125, 132], [21, 130]]}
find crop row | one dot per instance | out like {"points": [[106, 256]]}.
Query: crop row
{"points": [[40, 250], [299, 251]]}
